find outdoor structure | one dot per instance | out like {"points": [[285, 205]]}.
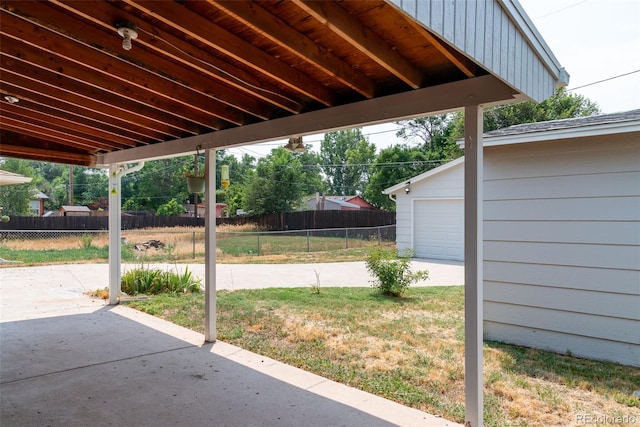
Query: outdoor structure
{"points": [[36, 205], [110, 84], [561, 233], [326, 203], [189, 207], [74, 211], [354, 200]]}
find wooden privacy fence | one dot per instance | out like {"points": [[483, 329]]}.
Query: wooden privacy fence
{"points": [[305, 220]]}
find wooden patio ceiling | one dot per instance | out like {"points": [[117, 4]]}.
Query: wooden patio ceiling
{"points": [[197, 67]]}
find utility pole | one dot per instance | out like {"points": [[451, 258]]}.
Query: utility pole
{"points": [[70, 185]]}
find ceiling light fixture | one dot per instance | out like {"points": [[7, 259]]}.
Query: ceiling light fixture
{"points": [[295, 145], [11, 99], [128, 31]]}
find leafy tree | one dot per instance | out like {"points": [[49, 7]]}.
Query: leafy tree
{"points": [[436, 135], [393, 165], [562, 105], [89, 185], [312, 182], [345, 157], [15, 198], [156, 183], [171, 208], [277, 185]]}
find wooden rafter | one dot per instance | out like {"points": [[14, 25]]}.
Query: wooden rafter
{"points": [[217, 38], [338, 20], [260, 20]]}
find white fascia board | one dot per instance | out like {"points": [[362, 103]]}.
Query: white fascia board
{"points": [[406, 105], [529, 30], [396, 188], [558, 134]]}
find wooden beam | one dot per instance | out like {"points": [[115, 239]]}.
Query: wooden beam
{"points": [[57, 111], [42, 87], [421, 102], [201, 29], [279, 32], [27, 118], [39, 154], [44, 132], [339, 21]]}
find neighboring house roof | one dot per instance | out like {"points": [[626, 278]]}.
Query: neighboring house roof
{"points": [[628, 121], [357, 199], [10, 178], [38, 195], [75, 209], [576, 122], [344, 203]]}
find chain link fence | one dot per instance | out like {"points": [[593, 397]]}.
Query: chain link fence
{"points": [[184, 242]]}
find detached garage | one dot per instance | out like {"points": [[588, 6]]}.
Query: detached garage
{"points": [[561, 233]]}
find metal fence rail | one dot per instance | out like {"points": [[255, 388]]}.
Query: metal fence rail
{"points": [[181, 242]]}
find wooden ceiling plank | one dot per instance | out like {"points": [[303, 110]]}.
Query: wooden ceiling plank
{"points": [[94, 67], [162, 43], [211, 35], [262, 21], [339, 21], [18, 112], [43, 155], [89, 100]]}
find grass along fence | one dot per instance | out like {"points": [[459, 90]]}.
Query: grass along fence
{"points": [[234, 243]]}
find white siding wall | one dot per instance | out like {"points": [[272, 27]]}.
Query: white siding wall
{"points": [[562, 246], [448, 184], [488, 34]]}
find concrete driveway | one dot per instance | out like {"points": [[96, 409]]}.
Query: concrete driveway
{"points": [[68, 360]]}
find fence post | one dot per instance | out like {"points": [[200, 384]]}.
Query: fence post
{"points": [[258, 244], [194, 245], [379, 237], [307, 240], [346, 238]]}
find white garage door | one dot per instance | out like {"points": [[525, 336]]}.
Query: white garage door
{"points": [[438, 229]]}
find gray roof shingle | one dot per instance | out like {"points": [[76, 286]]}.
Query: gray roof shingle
{"points": [[566, 123]]}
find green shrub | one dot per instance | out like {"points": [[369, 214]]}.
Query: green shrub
{"points": [[392, 271], [152, 282], [86, 240]]}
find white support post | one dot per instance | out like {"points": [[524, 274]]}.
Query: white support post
{"points": [[210, 332], [473, 257], [116, 172], [115, 242]]}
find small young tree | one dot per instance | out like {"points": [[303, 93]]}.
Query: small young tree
{"points": [[171, 208], [392, 271]]}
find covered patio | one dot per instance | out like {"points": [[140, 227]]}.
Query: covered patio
{"points": [[112, 84]]}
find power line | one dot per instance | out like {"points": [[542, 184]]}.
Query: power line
{"points": [[605, 80]]}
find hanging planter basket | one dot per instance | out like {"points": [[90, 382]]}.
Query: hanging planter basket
{"points": [[195, 184]]}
